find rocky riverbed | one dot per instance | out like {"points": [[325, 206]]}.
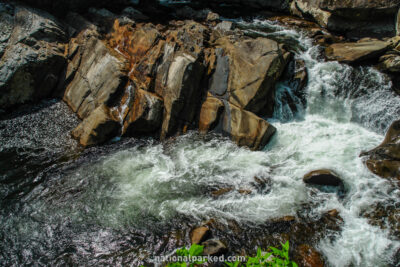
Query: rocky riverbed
{"points": [[133, 129]]}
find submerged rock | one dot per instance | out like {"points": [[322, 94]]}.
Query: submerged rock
{"points": [[322, 177], [307, 256]]}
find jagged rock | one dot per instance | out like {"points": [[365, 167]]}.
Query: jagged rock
{"points": [[356, 52], [322, 177], [384, 160], [243, 127], [246, 72], [358, 18], [32, 55], [307, 256], [214, 247], [145, 114], [200, 234], [96, 75], [98, 128]]}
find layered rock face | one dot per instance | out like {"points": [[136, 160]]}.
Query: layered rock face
{"points": [[32, 54], [145, 79]]}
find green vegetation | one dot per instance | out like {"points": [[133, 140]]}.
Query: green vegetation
{"points": [[275, 258], [184, 254]]}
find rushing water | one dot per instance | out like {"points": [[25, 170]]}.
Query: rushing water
{"points": [[110, 204]]}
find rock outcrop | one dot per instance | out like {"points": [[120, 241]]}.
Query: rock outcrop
{"points": [[356, 19], [32, 54], [384, 160], [365, 49], [95, 74]]}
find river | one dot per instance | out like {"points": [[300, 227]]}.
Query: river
{"points": [[115, 204]]}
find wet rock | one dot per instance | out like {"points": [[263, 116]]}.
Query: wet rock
{"points": [[385, 216], [307, 256], [97, 128], [200, 234], [145, 114], [246, 72], [134, 14], [32, 55], [221, 192], [322, 177], [214, 247], [95, 75], [384, 160], [245, 191], [362, 50]]}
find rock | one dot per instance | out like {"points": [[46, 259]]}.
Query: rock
{"points": [[145, 114], [221, 192], [212, 17], [243, 127], [96, 75], [200, 234], [32, 55], [357, 52], [98, 128], [134, 14], [358, 18], [224, 26], [179, 92], [322, 177], [384, 160], [214, 247], [390, 63], [307, 256], [210, 113], [246, 72]]}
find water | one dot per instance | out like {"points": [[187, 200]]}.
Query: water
{"points": [[119, 204]]}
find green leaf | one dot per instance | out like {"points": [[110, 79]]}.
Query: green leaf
{"points": [[196, 250]]}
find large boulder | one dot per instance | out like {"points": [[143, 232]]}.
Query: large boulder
{"points": [[357, 18], [356, 52], [246, 72], [384, 160], [95, 74], [98, 128], [32, 54], [243, 127]]}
